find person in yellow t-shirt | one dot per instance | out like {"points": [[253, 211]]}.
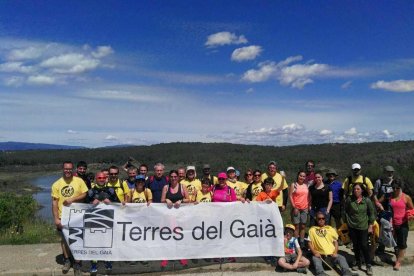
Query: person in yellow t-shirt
{"points": [[281, 200], [204, 195], [141, 194], [121, 188], [191, 183], [254, 188], [207, 175], [65, 191], [357, 178], [239, 187], [323, 242]]}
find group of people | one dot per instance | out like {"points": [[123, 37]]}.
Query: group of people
{"points": [[314, 199]]}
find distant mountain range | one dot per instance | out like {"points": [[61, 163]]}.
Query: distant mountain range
{"points": [[33, 146]]}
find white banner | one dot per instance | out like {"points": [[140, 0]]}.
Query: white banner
{"points": [[137, 232]]}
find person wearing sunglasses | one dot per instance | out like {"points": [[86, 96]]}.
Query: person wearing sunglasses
{"points": [[255, 187], [323, 243], [222, 192], [121, 188]]}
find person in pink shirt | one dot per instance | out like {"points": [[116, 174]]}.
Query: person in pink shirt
{"points": [[222, 192], [299, 199]]}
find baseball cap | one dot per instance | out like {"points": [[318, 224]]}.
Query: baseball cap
{"points": [[222, 175], [190, 168], [272, 163], [331, 171], [139, 177], [356, 166], [290, 226], [206, 166], [230, 169], [389, 169]]}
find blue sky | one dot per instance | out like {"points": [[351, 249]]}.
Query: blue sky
{"points": [[99, 73]]}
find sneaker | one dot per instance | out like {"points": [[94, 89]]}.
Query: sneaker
{"points": [[108, 266], [77, 269], [356, 266], [322, 274], [349, 273], [302, 270], [66, 266], [350, 245], [94, 268], [369, 271]]}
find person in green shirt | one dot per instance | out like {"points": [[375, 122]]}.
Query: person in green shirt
{"points": [[360, 216]]}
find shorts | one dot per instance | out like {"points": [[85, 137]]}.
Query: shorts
{"points": [[401, 235], [336, 210], [301, 217], [291, 258]]}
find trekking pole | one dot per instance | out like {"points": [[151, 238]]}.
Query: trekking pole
{"points": [[328, 265]]}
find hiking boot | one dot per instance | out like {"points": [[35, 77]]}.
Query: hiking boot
{"points": [[77, 269], [356, 266], [369, 271], [108, 266], [349, 273], [66, 266], [94, 268], [302, 270]]}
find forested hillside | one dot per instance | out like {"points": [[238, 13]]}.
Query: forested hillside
{"points": [[372, 157]]}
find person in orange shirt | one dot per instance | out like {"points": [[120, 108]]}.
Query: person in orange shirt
{"points": [[268, 195]]}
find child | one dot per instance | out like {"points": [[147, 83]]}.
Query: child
{"points": [[293, 254], [204, 195]]}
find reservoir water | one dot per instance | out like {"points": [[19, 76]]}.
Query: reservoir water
{"points": [[44, 197]]}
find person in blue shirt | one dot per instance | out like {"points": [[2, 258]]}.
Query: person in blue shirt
{"points": [[337, 196]]}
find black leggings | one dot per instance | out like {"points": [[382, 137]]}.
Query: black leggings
{"points": [[360, 243]]}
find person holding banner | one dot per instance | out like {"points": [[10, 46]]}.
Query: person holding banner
{"points": [[222, 192], [204, 195], [141, 194], [174, 194], [268, 195]]}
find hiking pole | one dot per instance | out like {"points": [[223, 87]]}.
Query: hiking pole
{"points": [[328, 265]]}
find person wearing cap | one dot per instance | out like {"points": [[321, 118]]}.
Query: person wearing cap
{"points": [[280, 180], [323, 243], [293, 259], [207, 175], [337, 196], [239, 187], [192, 184], [222, 192], [357, 178], [140, 194]]}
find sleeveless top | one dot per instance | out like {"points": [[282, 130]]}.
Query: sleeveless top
{"points": [[174, 197], [300, 196], [399, 208]]}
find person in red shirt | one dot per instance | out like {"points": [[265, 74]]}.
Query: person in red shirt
{"points": [[268, 195]]}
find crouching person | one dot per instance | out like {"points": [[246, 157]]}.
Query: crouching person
{"points": [[323, 243], [293, 259]]}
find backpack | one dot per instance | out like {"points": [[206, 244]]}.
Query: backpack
{"points": [[363, 184]]}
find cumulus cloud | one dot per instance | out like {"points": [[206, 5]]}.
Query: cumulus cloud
{"points": [[394, 86], [224, 38], [102, 51], [249, 91], [111, 138], [70, 63], [288, 74], [346, 85], [25, 53], [387, 133], [13, 81], [41, 80], [246, 53], [325, 132], [15, 67], [70, 131], [351, 131]]}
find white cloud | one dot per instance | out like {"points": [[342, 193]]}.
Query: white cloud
{"points": [[13, 81], [325, 132], [296, 75], [41, 80], [15, 67], [25, 53], [102, 51], [387, 133], [346, 85], [291, 127], [70, 63], [224, 38], [351, 131], [70, 131], [249, 91], [138, 94], [111, 138], [246, 53], [395, 86]]}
